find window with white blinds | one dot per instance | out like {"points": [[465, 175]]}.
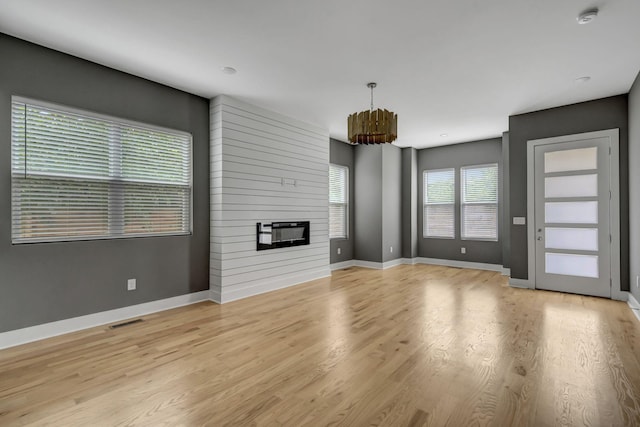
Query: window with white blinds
{"points": [[79, 176], [439, 203], [479, 216], [338, 201]]}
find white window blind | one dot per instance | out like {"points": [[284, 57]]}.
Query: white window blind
{"points": [[479, 202], [439, 203], [78, 175], [338, 201]]}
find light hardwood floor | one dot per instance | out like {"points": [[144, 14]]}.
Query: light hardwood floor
{"points": [[408, 346]]}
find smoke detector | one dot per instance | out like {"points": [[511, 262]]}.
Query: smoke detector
{"points": [[587, 16]]}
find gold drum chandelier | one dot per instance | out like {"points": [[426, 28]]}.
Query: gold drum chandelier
{"points": [[373, 126]]}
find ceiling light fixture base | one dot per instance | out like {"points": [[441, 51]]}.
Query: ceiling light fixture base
{"points": [[587, 16]]}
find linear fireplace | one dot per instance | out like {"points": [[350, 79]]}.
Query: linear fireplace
{"points": [[281, 234]]}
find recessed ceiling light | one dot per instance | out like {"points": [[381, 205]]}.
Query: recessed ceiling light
{"points": [[229, 70], [583, 79], [587, 16], [444, 135]]}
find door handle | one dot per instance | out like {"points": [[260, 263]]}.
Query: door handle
{"points": [[539, 237]]}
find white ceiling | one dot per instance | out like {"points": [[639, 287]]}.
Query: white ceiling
{"points": [[459, 67]]}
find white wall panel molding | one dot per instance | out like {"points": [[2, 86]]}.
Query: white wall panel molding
{"points": [[264, 167]]}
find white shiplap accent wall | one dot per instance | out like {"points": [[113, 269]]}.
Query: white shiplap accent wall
{"points": [[264, 167]]}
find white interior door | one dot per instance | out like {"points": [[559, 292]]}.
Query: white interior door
{"points": [[572, 216]]}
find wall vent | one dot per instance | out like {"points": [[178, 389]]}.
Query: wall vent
{"points": [[127, 323]]}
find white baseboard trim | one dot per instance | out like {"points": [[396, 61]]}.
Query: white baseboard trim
{"points": [[368, 264], [634, 305], [342, 265], [520, 283], [460, 264], [420, 260], [379, 265], [60, 327], [268, 285], [215, 295], [392, 263]]}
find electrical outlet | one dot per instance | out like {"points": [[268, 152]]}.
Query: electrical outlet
{"points": [[391, 249], [131, 284], [339, 251], [463, 250]]}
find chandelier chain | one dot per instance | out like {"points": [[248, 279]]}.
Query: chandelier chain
{"points": [[371, 109], [371, 86]]}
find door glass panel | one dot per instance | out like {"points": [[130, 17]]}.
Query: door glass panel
{"points": [[582, 239], [571, 212], [571, 186], [571, 160], [572, 265]]}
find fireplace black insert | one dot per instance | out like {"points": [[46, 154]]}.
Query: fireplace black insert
{"points": [[281, 234]]}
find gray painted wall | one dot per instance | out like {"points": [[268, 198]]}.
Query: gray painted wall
{"points": [[368, 203], [45, 282], [409, 202], [341, 153], [455, 156], [634, 187], [504, 193], [600, 114], [391, 203]]}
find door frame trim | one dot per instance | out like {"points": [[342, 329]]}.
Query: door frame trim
{"points": [[614, 206]]}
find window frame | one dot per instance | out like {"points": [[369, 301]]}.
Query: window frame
{"points": [[425, 203], [345, 204], [65, 109], [496, 203]]}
